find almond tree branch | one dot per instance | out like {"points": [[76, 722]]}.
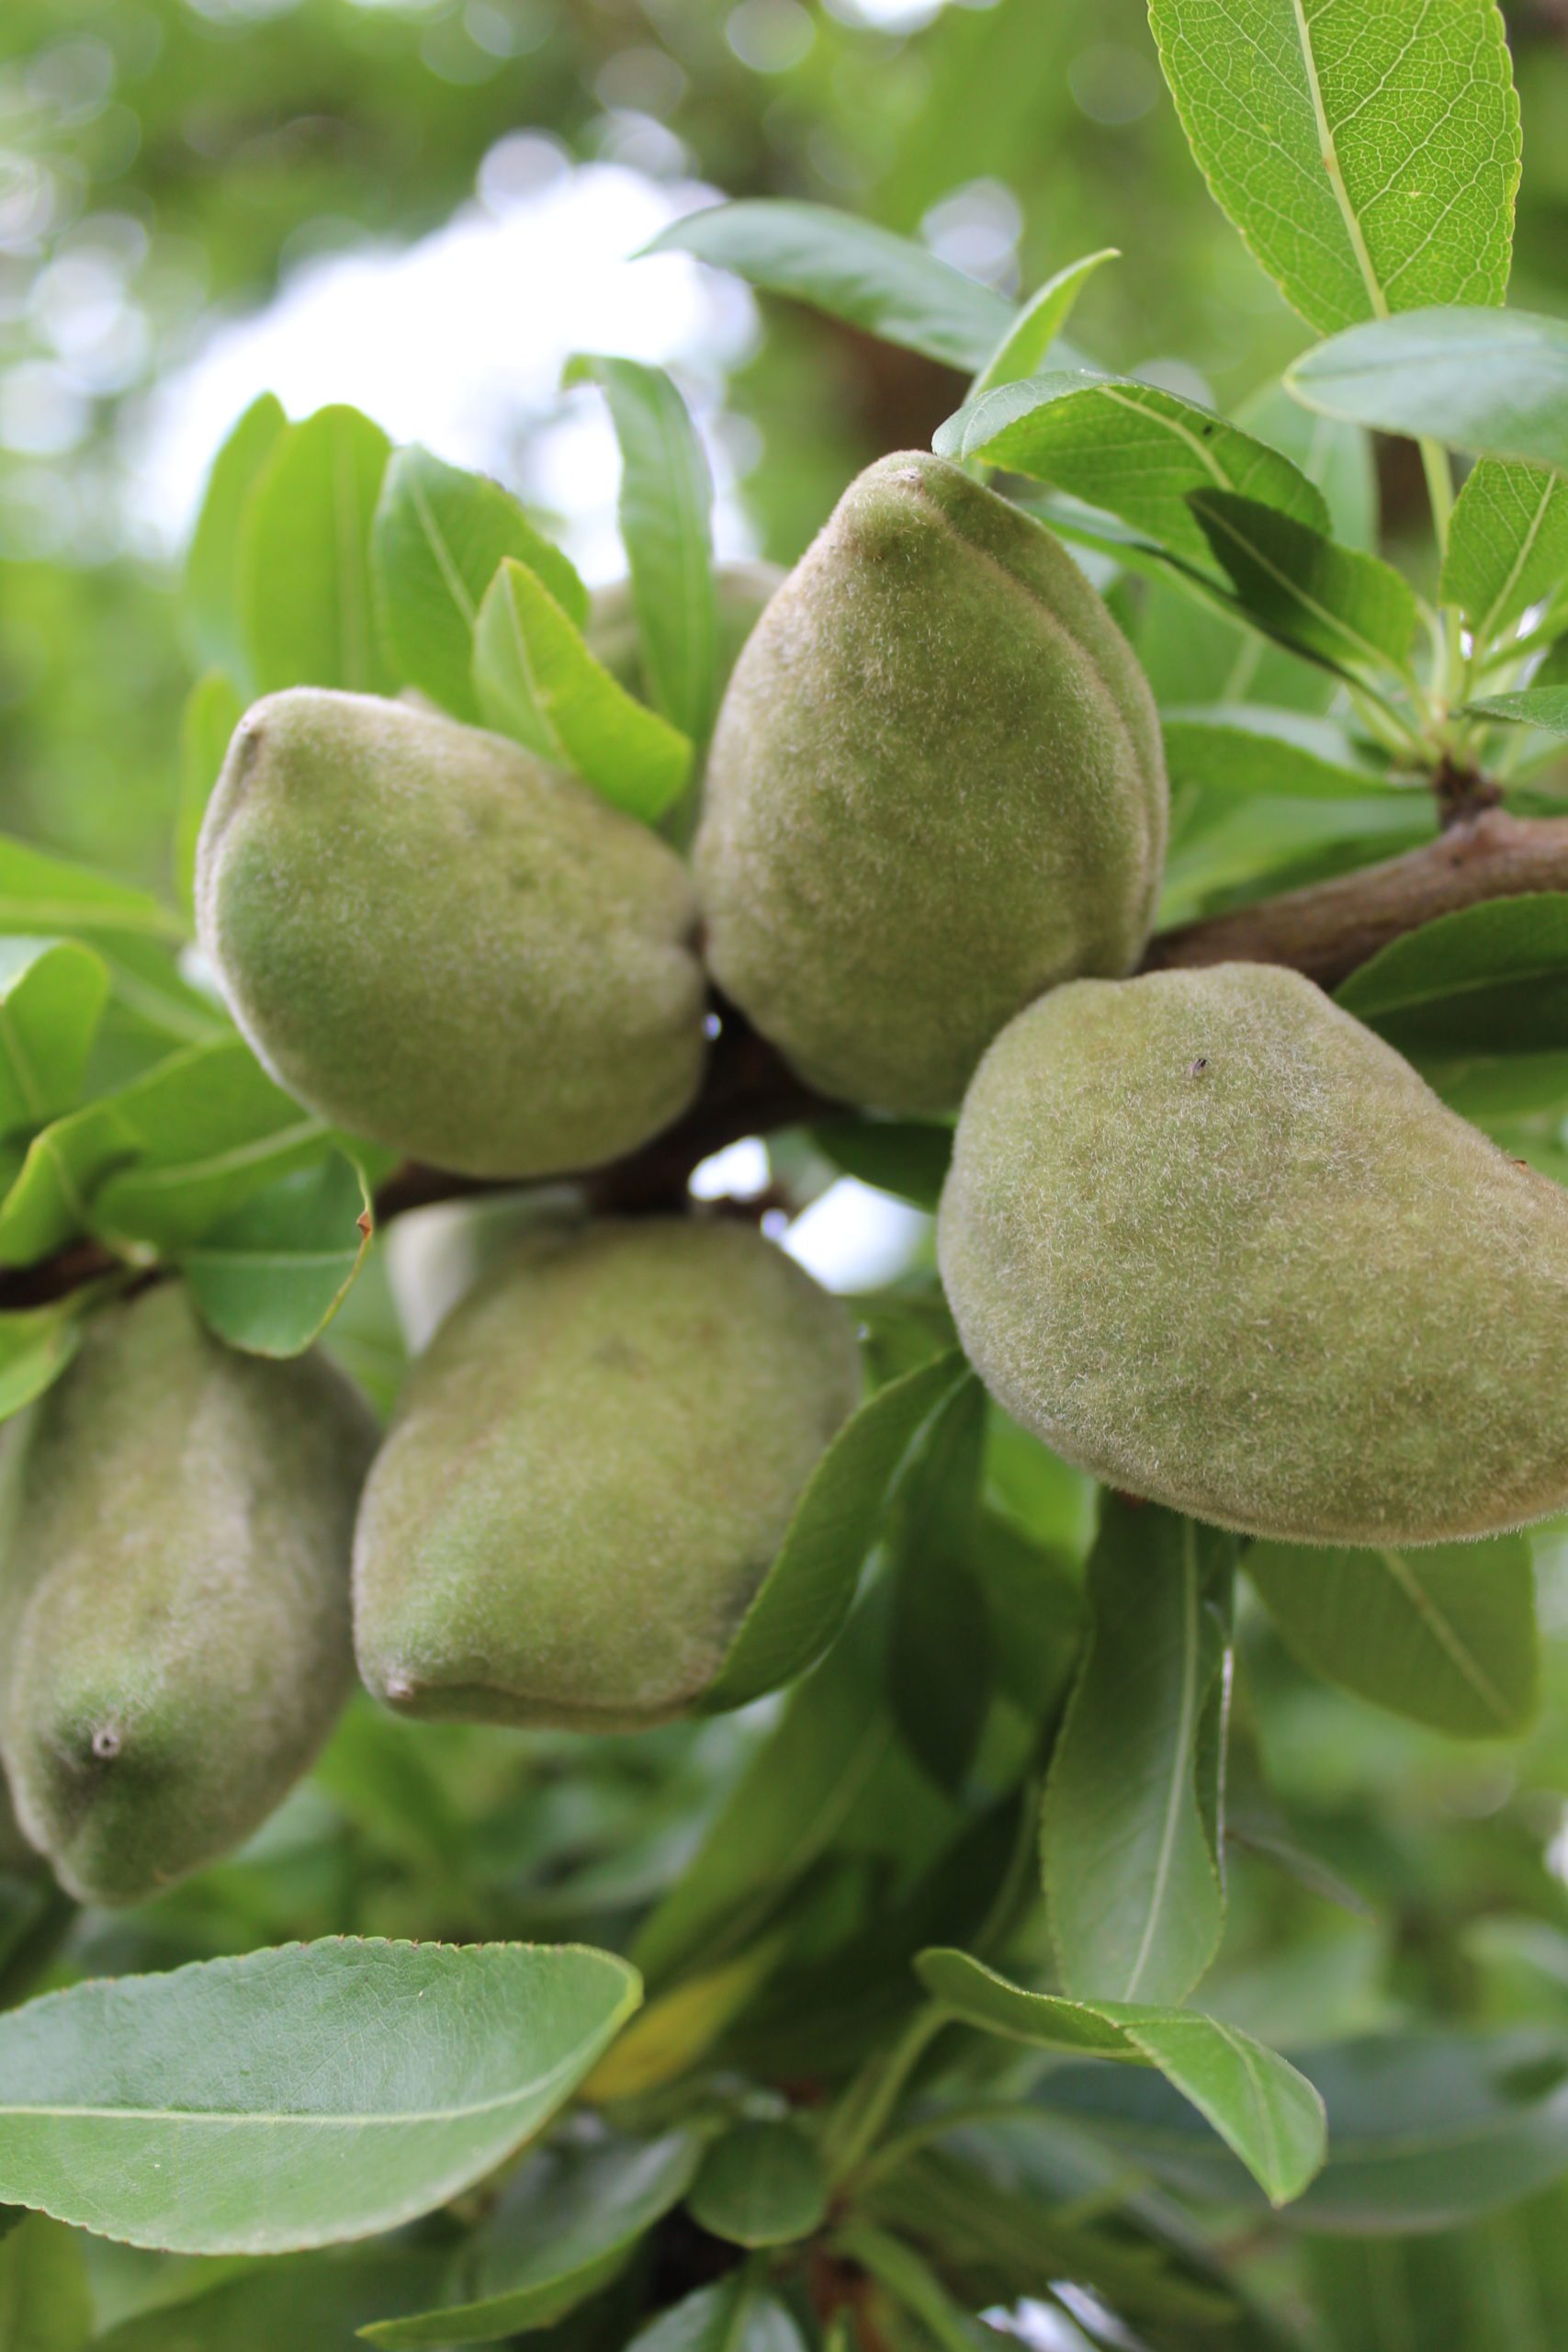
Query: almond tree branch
{"points": [[1325, 930], [1328, 929]]}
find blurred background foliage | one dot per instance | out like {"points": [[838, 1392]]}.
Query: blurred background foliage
{"points": [[170, 167]]}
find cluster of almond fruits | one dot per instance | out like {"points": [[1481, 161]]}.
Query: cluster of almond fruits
{"points": [[1204, 1234]]}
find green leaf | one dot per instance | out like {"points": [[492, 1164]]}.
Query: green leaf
{"points": [[800, 1787], [1133, 1887], [1335, 456], [270, 1278], [1446, 1634], [1368, 150], [1486, 977], [907, 1157], [53, 994], [204, 1133], [1229, 846], [938, 1654], [1494, 382], [161, 1160], [213, 563], [212, 711], [912, 2282], [1261, 2108], [297, 2097], [1425, 2129], [305, 557], [45, 2303], [1545, 706], [563, 2229], [1022, 349], [1501, 2282], [1329, 600], [315, 2300], [666, 519], [537, 682], [40, 893], [852, 269], [1135, 450], [439, 538], [1510, 1096], [762, 2184], [1024, 2237], [807, 1594], [1210, 756], [1507, 545], [736, 2315], [36, 1345]]}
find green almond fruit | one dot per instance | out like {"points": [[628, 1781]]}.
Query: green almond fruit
{"points": [[438, 942], [175, 1622], [936, 789], [590, 1473], [1213, 1240]]}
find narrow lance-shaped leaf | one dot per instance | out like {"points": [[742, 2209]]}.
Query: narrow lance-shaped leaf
{"points": [[294, 2098], [1368, 150], [1337, 456], [537, 682], [807, 1594], [1331, 601], [46, 2304], [320, 2300], [40, 893], [1543, 707], [1494, 382], [737, 2314], [439, 537], [938, 1655], [1507, 545], [270, 1277], [1425, 2129], [665, 509], [912, 2283], [1270, 2115], [564, 2227], [53, 994], [204, 1135], [1132, 1889], [136, 934], [1445, 1635], [906, 1157], [212, 564], [1022, 349], [190, 1139], [1216, 757], [1134, 449], [305, 557], [798, 1790], [852, 269], [1485, 976], [36, 1345]]}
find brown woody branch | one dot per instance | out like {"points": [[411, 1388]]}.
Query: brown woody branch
{"points": [[1325, 932], [1328, 930]]}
